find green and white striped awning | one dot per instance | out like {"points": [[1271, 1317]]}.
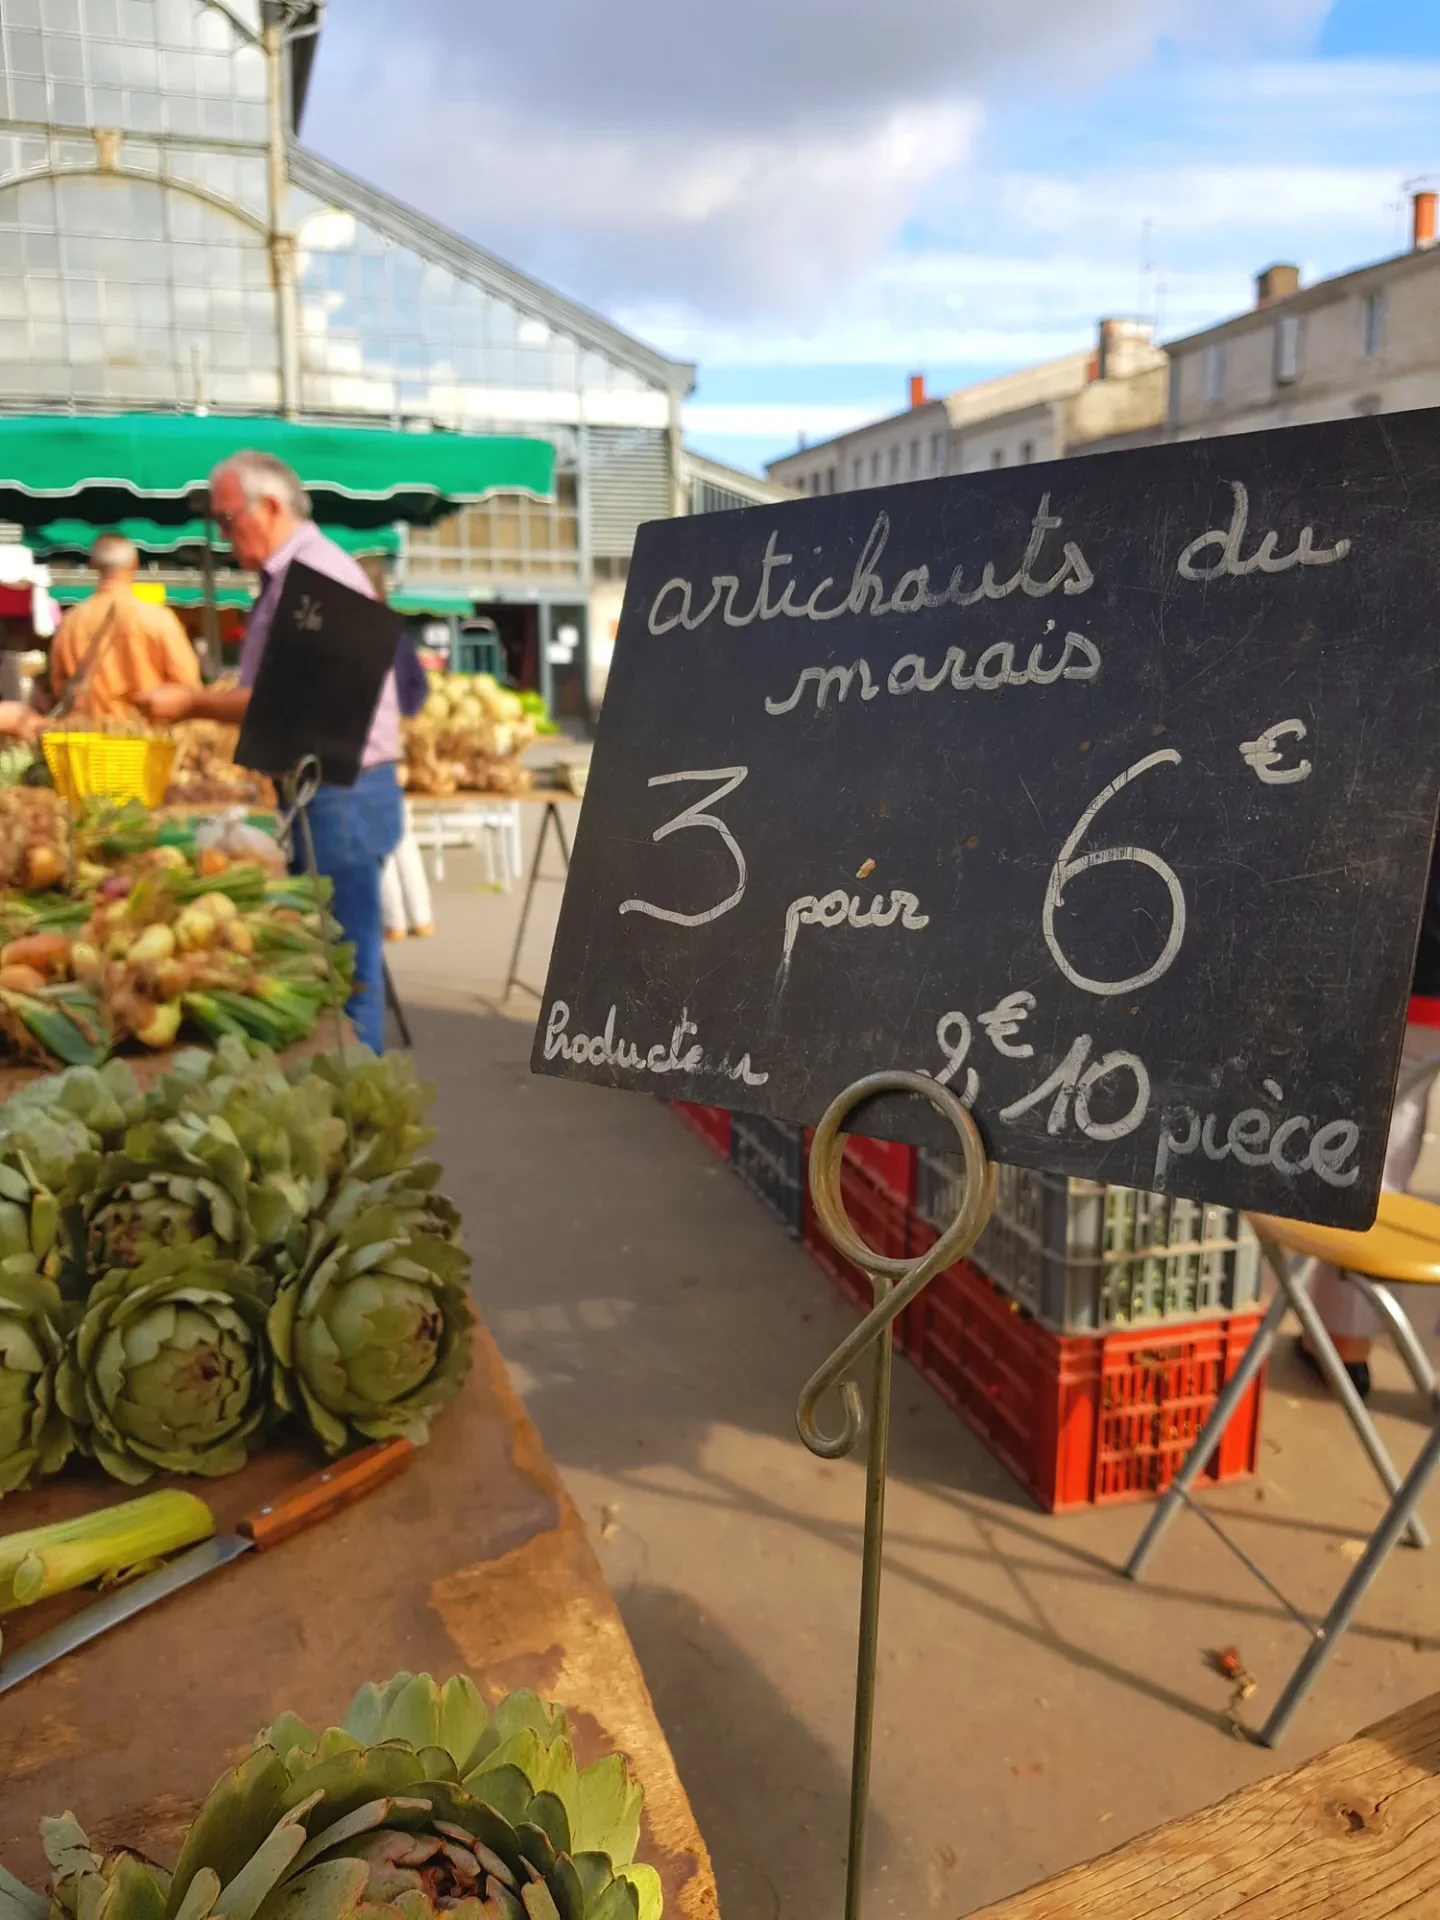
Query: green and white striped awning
{"points": [[59, 539], [108, 467]]}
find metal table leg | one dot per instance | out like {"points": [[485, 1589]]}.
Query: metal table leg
{"points": [[1199, 1456], [1341, 1385], [1407, 1341], [392, 1001], [552, 813], [1398, 1517]]}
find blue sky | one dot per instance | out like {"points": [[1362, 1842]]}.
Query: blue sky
{"points": [[813, 202]]}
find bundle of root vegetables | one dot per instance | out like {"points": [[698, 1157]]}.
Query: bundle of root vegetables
{"points": [[205, 773], [107, 937], [469, 736], [184, 1269]]}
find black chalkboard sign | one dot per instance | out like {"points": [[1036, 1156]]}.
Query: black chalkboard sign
{"points": [[1104, 791], [320, 680]]}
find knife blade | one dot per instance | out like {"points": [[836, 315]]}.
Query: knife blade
{"points": [[301, 1506]]}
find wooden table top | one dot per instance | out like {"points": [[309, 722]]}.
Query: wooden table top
{"points": [[474, 1561], [1353, 1835]]}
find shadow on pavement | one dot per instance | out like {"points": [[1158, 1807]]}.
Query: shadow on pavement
{"points": [[732, 1733]]}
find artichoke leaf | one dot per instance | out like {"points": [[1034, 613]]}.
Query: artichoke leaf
{"points": [[619, 1901], [333, 1890], [538, 1903], [19, 1902], [650, 1894], [605, 1810], [243, 1808]]}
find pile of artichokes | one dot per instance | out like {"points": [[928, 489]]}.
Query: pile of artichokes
{"points": [[424, 1802], [183, 1269]]}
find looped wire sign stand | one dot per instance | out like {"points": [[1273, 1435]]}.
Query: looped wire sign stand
{"points": [[896, 1284]]}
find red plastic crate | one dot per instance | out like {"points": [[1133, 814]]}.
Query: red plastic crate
{"points": [[889, 1162], [882, 1221], [711, 1123], [1083, 1419]]}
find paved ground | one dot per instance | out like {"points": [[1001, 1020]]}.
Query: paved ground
{"points": [[1035, 1709]]}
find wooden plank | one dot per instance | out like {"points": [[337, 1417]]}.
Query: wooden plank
{"points": [[474, 1561], [1353, 1835]]}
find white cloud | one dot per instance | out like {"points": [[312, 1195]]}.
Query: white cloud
{"points": [[776, 422], [744, 159], [1235, 199]]}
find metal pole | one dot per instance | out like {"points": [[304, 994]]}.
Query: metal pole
{"points": [[868, 1650], [896, 1283], [281, 240], [552, 813], [1211, 1434], [1398, 1518], [545, 632], [211, 616], [675, 436]]}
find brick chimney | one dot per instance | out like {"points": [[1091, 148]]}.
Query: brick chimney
{"points": [[1422, 219], [1276, 283], [917, 382]]}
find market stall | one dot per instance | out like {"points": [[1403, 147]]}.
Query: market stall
{"points": [[224, 1270], [473, 1562]]}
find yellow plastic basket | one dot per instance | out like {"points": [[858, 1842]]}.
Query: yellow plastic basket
{"points": [[84, 764]]}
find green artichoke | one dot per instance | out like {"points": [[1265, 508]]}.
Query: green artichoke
{"points": [[371, 1336], [42, 1165], [382, 1100], [175, 1182], [169, 1367], [35, 1436], [290, 1137], [487, 1819], [105, 1100]]}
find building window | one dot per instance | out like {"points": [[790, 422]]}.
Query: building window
{"points": [[914, 459], [937, 453], [507, 535], [859, 479], [997, 456], [1287, 350], [894, 463], [1372, 323], [874, 469], [1215, 374], [815, 482], [830, 480], [1027, 452]]}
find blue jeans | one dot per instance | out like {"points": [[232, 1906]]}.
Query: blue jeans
{"points": [[355, 830]]}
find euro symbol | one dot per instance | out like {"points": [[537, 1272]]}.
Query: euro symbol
{"points": [[1263, 756]]}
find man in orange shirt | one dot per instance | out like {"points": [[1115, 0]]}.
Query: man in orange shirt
{"points": [[123, 645]]}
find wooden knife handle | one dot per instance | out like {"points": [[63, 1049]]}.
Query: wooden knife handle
{"points": [[339, 1486]]}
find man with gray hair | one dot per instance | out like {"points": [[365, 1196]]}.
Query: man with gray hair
{"points": [[261, 508], [114, 647]]}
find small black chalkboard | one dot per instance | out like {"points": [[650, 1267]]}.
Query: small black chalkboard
{"points": [[1104, 791], [320, 681]]}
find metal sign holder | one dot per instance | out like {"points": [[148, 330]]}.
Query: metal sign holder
{"points": [[896, 1283], [553, 817], [296, 790]]}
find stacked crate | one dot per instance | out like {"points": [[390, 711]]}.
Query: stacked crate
{"points": [[1087, 1337]]}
